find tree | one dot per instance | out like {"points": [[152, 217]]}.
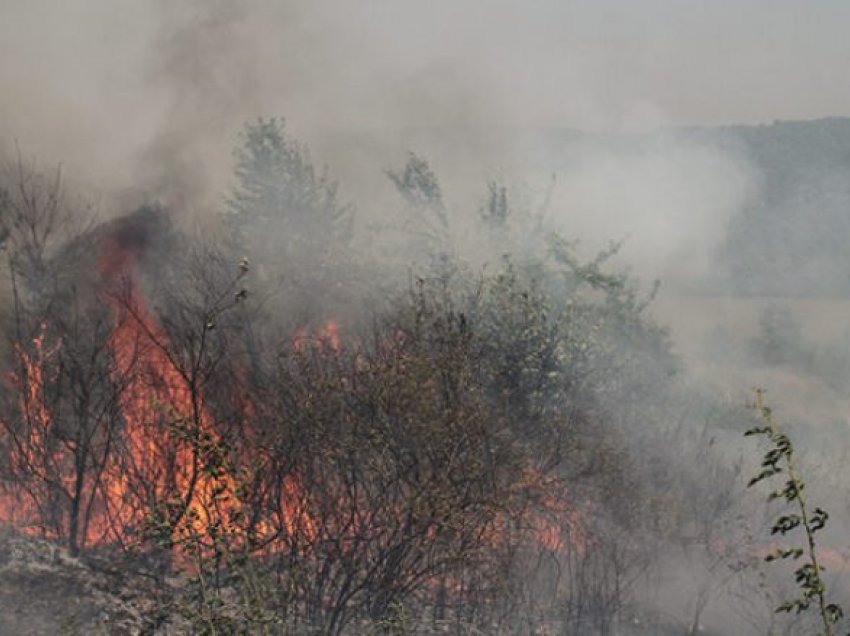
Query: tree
{"points": [[281, 202], [285, 216], [60, 419], [38, 219], [496, 211], [426, 222], [418, 184]]}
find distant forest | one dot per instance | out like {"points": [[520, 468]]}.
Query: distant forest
{"points": [[793, 237]]}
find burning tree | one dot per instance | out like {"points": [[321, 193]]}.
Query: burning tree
{"points": [[62, 411], [448, 463], [106, 420]]}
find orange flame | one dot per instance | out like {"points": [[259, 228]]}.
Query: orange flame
{"points": [[171, 458], [29, 453], [168, 428]]}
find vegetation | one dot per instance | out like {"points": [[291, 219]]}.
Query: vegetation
{"points": [[485, 450], [780, 459], [786, 240]]}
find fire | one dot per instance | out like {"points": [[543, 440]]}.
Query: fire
{"points": [[553, 523], [173, 448], [168, 459], [325, 338], [30, 453], [168, 469], [170, 439], [168, 474]]}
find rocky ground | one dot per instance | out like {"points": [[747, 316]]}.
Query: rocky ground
{"points": [[46, 592]]}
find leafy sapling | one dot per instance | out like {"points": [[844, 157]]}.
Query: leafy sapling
{"points": [[779, 460]]}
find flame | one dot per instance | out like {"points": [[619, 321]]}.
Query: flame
{"points": [[324, 339], [173, 447], [170, 438], [29, 453], [545, 514], [167, 447], [169, 471], [557, 525]]}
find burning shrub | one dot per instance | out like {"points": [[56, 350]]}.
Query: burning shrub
{"points": [[448, 464]]}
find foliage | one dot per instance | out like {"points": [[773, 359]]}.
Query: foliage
{"points": [[277, 181], [418, 184], [788, 237], [284, 214], [496, 210], [468, 459], [424, 224], [778, 460]]}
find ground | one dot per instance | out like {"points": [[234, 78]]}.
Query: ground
{"points": [[44, 591]]}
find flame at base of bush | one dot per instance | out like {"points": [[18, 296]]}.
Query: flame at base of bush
{"points": [[154, 470]]}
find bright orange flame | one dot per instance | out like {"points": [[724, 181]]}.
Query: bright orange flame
{"points": [[168, 429], [171, 439], [169, 443], [29, 452]]}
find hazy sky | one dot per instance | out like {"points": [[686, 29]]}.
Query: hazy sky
{"points": [[96, 80]]}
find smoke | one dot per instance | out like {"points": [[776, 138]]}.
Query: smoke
{"points": [[577, 107], [141, 100], [144, 101], [154, 93], [669, 197]]}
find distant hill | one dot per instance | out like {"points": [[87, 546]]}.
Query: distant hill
{"points": [[794, 238]]}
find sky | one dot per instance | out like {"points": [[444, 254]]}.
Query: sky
{"points": [[599, 64], [114, 88]]}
